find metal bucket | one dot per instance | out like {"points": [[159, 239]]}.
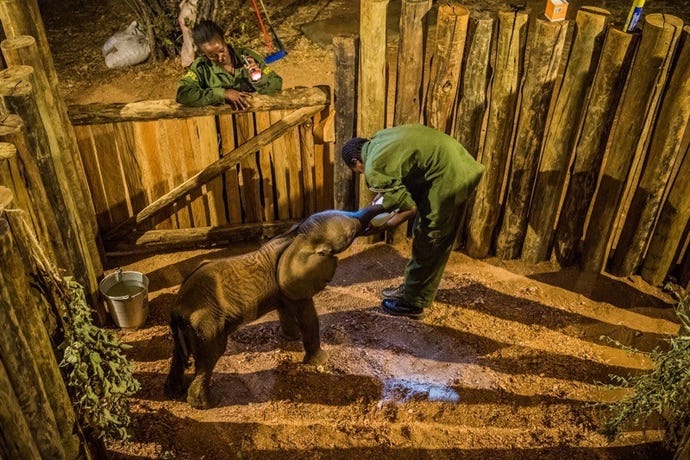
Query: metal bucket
{"points": [[127, 296]]}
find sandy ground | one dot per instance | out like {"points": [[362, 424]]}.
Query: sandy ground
{"points": [[509, 363]]}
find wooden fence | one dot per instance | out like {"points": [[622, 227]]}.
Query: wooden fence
{"points": [[583, 132], [136, 154]]}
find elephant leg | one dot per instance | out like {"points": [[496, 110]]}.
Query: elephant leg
{"points": [[289, 327], [174, 384], [206, 355], [308, 322]]}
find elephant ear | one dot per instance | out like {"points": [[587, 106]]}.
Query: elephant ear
{"points": [[305, 269]]}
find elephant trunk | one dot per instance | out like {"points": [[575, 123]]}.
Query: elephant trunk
{"points": [[365, 215]]}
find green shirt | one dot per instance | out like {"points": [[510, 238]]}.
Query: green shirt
{"points": [[417, 165], [205, 81]]}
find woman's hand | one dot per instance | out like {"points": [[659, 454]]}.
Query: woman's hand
{"points": [[237, 99]]}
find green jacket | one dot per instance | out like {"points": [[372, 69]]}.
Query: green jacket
{"points": [[416, 165], [205, 82]]}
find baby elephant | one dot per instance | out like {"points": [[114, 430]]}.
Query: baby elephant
{"points": [[285, 273]]}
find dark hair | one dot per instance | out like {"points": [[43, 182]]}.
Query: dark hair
{"points": [[352, 149], [205, 31]]}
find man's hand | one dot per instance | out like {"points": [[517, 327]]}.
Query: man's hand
{"points": [[237, 99]]}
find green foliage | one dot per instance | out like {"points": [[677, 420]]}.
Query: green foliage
{"points": [[99, 375], [665, 390]]}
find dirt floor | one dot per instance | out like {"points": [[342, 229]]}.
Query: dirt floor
{"points": [[509, 363]]}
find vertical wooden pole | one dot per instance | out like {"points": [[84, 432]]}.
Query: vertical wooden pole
{"points": [[408, 87], [371, 98], [473, 88], [17, 96], [23, 50], [560, 137], [16, 441], [446, 66], [668, 233], [345, 48], [19, 362], [13, 274], [508, 67], [540, 78], [607, 87], [666, 143], [628, 139]]}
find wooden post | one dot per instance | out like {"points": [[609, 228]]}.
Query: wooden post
{"points": [[17, 357], [18, 97], [629, 134], [473, 88], [13, 275], [666, 143], [669, 230], [561, 134], [607, 87], [215, 169], [345, 48], [371, 98], [408, 87], [22, 50], [16, 441], [540, 78], [508, 67], [446, 66]]}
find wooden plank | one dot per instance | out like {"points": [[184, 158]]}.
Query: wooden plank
{"points": [[537, 89], [110, 172], [231, 175], [294, 163], [124, 139], [282, 171], [560, 138], [628, 139], [263, 122], [287, 99], [87, 150], [174, 165], [249, 170], [306, 141], [508, 69], [146, 142], [208, 152], [215, 169]]}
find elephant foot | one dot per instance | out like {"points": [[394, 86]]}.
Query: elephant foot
{"points": [[316, 359], [173, 388], [289, 335], [198, 397]]}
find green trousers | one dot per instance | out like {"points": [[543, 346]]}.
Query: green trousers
{"points": [[430, 251]]}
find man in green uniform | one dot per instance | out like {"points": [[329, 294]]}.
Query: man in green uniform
{"points": [[224, 73], [420, 172]]}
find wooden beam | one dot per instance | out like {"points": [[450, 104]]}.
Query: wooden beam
{"points": [[176, 239], [293, 98], [216, 168]]}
